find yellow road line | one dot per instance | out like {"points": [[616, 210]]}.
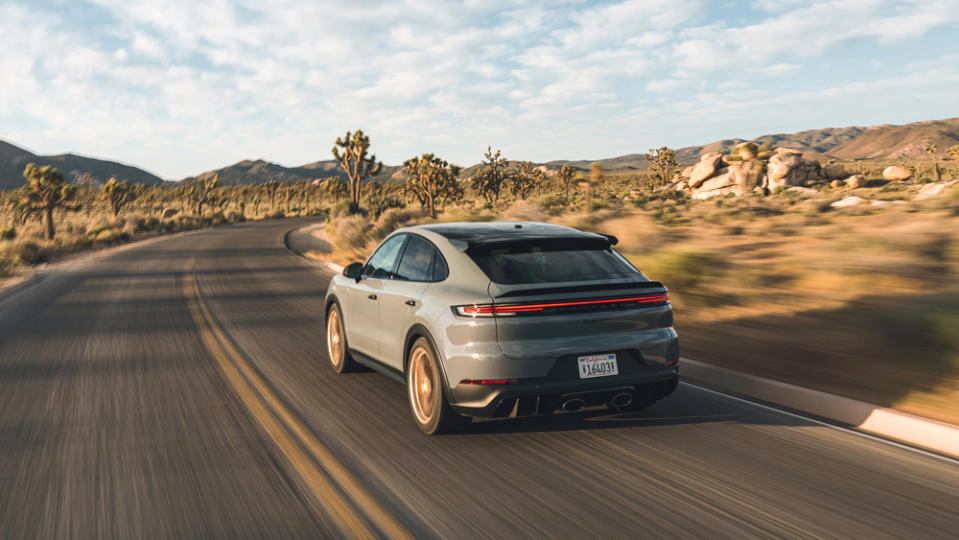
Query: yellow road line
{"points": [[223, 350]]}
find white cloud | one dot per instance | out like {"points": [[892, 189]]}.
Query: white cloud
{"points": [[182, 86]]}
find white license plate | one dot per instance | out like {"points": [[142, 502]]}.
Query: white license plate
{"points": [[598, 365]]}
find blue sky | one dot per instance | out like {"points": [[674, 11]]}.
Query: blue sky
{"points": [[184, 86]]}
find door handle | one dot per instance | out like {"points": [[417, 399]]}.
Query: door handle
{"points": [[411, 302], [372, 297]]}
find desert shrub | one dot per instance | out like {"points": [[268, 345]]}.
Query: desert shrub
{"points": [[6, 265], [97, 227], [379, 201], [343, 208], [112, 236], [31, 253], [684, 270], [392, 219], [552, 203], [233, 216], [275, 214], [131, 226], [182, 223], [524, 211], [351, 233], [667, 214], [934, 248], [152, 224], [8, 233]]}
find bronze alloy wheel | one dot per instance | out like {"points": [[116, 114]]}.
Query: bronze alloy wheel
{"points": [[336, 344], [334, 338], [421, 386], [431, 410]]}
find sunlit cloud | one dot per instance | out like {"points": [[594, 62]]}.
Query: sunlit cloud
{"points": [[183, 86]]}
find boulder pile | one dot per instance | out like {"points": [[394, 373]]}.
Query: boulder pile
{"points": [[747, 170]]}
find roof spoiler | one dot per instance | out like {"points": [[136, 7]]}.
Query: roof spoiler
{"points": [[553, 243]]}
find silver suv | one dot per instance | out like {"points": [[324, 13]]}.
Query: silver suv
{"points": [[504, 319]]}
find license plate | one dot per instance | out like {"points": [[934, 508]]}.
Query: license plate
{"points": [[597, 365]]}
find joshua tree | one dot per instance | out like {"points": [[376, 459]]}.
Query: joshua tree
{"points": [[429, 178], [566, 179], [489, 181], [357, 166], [270, 188], [202, 191], [936, 169], [523, 179], [117, 194], [334, 188], [381, 197], [589, 185], [663, 166], [45, 192], [953, 152]]}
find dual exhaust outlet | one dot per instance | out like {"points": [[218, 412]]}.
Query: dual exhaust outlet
{"points": [[619, 401]]}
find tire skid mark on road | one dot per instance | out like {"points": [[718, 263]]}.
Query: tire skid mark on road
{"points": [[280, 423]]}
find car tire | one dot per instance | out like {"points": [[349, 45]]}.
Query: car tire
{"points": [[336, 346], [429, 407]]}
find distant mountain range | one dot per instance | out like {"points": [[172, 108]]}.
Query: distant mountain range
{"points": [[259, 171], [14, 159], [885, 142]]}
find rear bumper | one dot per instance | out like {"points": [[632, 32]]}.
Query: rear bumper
{"points": [[529, 397]]}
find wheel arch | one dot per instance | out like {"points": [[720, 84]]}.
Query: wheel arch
{"points": [[419, 331]]}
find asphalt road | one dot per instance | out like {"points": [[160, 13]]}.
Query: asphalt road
{"points": [[180, 389]]}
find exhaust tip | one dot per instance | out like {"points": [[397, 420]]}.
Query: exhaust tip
{"points": [[574, 405], [621, 400]]}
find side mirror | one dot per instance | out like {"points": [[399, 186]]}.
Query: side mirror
{"points": [[353, 270]]}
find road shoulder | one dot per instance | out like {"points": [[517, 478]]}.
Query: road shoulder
{"points": [[913, 430]]}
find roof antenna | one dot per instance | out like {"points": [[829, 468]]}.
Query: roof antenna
{"points": [[518, 226]]}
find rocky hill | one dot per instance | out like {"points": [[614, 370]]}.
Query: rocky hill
{"points": [[260, 171], [885, 142], [13, 159]]}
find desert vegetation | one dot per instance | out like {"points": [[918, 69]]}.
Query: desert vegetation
{"points": [[849, 284]]}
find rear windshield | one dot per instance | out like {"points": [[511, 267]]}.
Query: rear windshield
{"points": [[550, 263]]}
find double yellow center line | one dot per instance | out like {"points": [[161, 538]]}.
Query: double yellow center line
{"points": [[315, 464]]}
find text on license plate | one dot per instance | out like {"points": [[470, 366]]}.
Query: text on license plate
{"points": [[597, 365]]}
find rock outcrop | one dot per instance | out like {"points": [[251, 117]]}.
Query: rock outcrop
{"points": [[748, 169], [708, 165], [856, 181], [896, 172]]}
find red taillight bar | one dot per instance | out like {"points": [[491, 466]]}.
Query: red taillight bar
{"points": [[488, 309], [487, 381]]}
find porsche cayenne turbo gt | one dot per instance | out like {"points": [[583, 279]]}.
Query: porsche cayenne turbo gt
{"points": [[504, 319]]}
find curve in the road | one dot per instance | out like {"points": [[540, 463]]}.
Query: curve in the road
{"points": [[120, 417]]}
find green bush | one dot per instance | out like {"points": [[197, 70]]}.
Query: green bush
{"points": [[8, 233]]}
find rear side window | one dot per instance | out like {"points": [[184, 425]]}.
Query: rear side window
{"points": [[551, 262], [417, 262], [440, 270]]}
